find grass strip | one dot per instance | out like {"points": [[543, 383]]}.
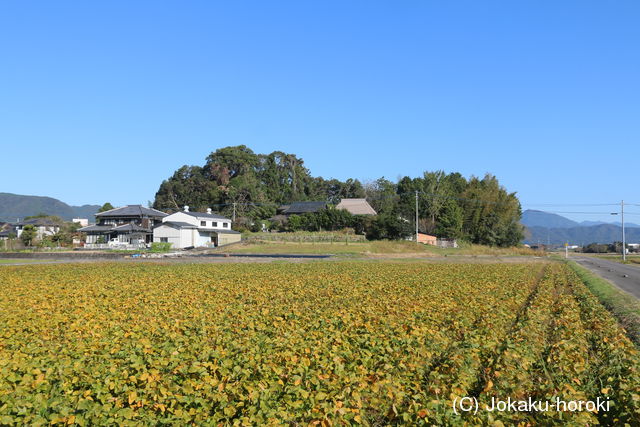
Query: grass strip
{"points": [[625, 307]]}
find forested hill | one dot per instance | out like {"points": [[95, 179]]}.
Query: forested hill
{"points": [[479, 210], [14, 206]]}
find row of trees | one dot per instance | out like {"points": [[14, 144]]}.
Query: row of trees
{"points": [[238, 175], [478, 210]]}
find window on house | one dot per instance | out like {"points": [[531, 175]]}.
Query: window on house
{"points": [[164, 239], [225, 224], [214, 224], [203, 223]]}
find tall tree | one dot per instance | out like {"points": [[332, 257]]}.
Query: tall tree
{"points": [[187, 186], [381, 195], [230, 162], [492, 215], [283, 177]]}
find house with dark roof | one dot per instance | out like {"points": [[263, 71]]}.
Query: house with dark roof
{"points": [[356, 206], [7, 230], [299, 208], [195, 229], [44, 226], [131, 224]]}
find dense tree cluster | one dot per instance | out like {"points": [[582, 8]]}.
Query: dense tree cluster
{"points": [[238, 175], [478, 210]]}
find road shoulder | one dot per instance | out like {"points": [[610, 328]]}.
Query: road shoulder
{"points": [[623, 305]]}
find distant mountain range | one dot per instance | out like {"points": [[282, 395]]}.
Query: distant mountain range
{"points": [[532, 218], [544, 227], [14, 206]]}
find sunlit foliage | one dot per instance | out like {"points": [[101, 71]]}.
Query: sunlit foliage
{"points": [[332, 343]]}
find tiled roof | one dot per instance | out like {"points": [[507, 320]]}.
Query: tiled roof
{"points": [[131, 227], [95, 228], [114, 228], [39, 222], [178, 224], [132, 210]]}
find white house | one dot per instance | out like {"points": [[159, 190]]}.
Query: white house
{"points": [[195, 229], [44, 227]]}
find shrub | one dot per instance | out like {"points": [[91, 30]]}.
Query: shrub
{"points": [[160, 246]]}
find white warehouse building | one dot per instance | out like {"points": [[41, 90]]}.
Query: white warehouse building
{"points": [[195, 229]]}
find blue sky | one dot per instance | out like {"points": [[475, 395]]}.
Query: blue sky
{"points": [[102, 101]]}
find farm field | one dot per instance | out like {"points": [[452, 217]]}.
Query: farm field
{"points": [[365, 248], [332, 343]]}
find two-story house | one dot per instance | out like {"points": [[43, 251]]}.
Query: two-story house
{"points": [[132, 224], [43, 226], [195, 229]]}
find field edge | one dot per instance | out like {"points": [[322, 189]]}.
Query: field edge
{"points": [[624, 307]]}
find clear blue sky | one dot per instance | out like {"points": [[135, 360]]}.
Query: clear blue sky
{"points": [[101, 101]]}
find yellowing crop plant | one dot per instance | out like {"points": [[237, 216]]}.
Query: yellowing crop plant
{"points": [[317, 343]]}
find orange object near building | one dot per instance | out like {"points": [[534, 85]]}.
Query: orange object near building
{"points": [[427, 239]]}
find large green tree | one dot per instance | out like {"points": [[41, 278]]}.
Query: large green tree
{"points": [[382, 195], [187, 186], [491, 214]]}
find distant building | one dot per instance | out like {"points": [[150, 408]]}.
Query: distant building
{"points": [[356, 206], [427, 239], [195, 229], [447, 243], [6, 230], [299, 208], [132, 224], [434, 241], [44, 226], [84, 222]]}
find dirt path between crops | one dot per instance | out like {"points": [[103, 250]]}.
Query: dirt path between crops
{"points": [[625, 277]]}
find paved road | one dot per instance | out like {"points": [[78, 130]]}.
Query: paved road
{"points": [[626, 277]]}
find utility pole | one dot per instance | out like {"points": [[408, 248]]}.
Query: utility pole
{"points": [[416, 216], [548, 238], [233, 219], [624, 246]]}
